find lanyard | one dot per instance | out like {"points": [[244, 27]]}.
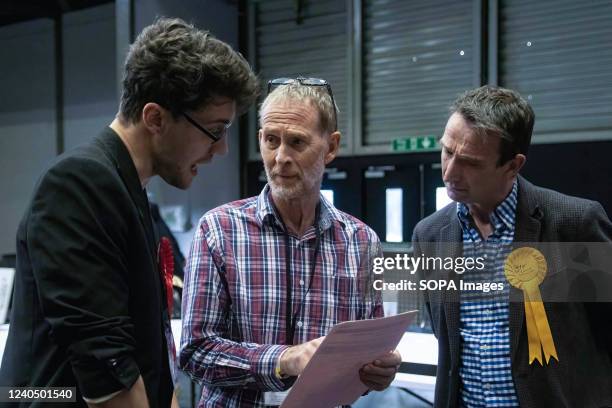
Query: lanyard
{"points": [[291, 318]]}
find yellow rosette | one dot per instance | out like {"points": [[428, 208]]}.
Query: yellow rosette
{"points": [[525, 269]]}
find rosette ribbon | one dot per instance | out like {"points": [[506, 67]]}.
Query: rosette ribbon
{"points": [[525, 269], [166, 268]]}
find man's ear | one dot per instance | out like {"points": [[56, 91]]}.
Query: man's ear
{"points": [[516, 164], [260, 137], [333, 146], [153, 116]]}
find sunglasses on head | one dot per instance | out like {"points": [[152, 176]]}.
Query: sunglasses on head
{"points": [[307, 82]]}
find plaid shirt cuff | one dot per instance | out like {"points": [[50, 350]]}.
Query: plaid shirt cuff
{"points": [[263, 366]]}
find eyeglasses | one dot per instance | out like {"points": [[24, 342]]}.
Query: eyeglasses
{"points": [[213, 136], [308, 82]]}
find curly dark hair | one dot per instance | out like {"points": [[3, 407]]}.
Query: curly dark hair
{"points": [[498, 111], [182, 68]]}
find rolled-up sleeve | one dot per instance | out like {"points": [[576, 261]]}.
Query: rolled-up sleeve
{"points": [[207, 353], [76, 243]]}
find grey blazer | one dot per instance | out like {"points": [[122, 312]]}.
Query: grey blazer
{"points": [[582, 331]]}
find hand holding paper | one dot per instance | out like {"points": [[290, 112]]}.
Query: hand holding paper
{"points": [[334, 376], [379, 374]]}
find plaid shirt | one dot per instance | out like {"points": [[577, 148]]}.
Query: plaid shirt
{"points": [[245, 240], [485, 370]]}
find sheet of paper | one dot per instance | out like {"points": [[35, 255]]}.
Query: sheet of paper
{"points": [[331, 378]]}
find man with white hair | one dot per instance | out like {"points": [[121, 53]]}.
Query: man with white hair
{"points": [[268, 276]]}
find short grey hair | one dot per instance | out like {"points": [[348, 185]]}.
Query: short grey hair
{"points": [[498, 111], [316, 96]]}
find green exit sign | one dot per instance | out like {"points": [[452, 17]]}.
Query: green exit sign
{"points": [[413, 144]]}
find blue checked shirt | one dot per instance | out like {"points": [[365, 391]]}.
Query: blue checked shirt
{"points": [[245, 240], [485, 371]]}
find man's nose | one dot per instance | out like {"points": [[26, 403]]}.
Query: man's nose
{"points": [[283, 153], [450, 170]]}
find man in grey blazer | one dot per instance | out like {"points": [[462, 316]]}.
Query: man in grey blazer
{"points": [[483, 358]]}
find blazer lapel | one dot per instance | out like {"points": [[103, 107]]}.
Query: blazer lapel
{"points": [[451, 245], [528, 228], [124, 164]]}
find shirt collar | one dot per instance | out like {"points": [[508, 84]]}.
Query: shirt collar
{"points": [[266, 212], [503, 216]]}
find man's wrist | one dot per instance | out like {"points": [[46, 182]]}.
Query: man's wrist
{"points": [[279, 369]]}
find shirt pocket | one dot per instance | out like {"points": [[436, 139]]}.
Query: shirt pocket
{"points": [[350, 303]]}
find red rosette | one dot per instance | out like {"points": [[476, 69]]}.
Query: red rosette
{"points": [[166, 264]]}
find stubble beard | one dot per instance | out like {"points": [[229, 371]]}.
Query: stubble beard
{"points": [[172, 174], [310, 181]]}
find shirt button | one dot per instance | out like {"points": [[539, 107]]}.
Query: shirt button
{"points": [[487, 311], [299, 324], [487, 386], [301, 282], [484, 347]]}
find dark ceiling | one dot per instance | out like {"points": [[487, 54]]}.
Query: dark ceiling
{"points": [[14, 11]]}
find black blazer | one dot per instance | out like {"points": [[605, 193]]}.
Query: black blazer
{"points": [[88, 305], [582, 331]]}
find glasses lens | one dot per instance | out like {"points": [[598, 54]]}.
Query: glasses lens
{"points": [[220, 133], [282, 81], [313, 81]]}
